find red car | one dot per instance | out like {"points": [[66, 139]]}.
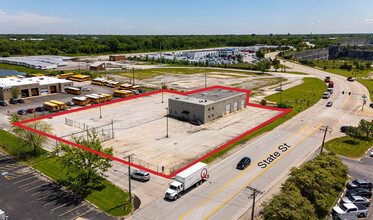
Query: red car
{"points": [[30, 110]]}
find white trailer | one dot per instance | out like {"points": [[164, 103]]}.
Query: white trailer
{"points": [[194, 175], [2, 215]]}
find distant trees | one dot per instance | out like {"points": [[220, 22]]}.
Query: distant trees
{"points": [[364, 127], [263, 65]]}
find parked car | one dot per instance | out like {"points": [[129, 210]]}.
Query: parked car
{"points": [[329, 104], [356, 200], [85, 89], [20, 101], [350, 79], [13, 102], [39, 109], [70, 103], [196, 122], [30, 110], [359, 184], [22, 112], [348, 210], [359, 192], [371, 153], [344, 128], [140, 175], [244, 162], [371, 105], [279, 89], [2, 103]]}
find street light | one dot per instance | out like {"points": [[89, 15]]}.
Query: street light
{"points": [[167, 123], [100, 112], [129, 178]]}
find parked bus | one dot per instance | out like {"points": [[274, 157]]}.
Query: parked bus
{"points": [[101, 98], [51, 106], [113, 84], [125, 87], [80, 100], [80, 78], [136, 87], [93, 98], [98, 81], [37, 74], [62, 105], [107, 97], [65, 75], [72, 90], [123, 93]]}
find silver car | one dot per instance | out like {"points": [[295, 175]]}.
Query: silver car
{"points": [[140, 175], [356, 200]]}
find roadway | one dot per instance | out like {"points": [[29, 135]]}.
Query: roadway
{"points": [[225, 196]]}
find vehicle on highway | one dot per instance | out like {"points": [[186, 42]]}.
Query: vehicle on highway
{"points": [[244, 162], [39, 109], [331, 84], [327, 79], [140, 175], [349, 209], [371, 105], [350, 79], [22, 112], [326, 95], [2, 103], [30, 110], [356, 200], [359, 183], [329, 104], [279, 89], [193, 176], [344, 128], [20, 101], [13, 102], [371, 153], [359, 192], [330, 90], [70, 103]]}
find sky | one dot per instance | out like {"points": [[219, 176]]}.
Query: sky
{"points": [[175, 17]]}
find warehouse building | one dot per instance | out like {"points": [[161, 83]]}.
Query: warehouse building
{"points": [[117, 57], [32, 86], [97, 66], [206, 106]]}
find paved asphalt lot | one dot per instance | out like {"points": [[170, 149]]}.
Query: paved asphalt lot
{"points": [[26, 194]]}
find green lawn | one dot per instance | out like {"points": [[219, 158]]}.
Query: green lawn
{"points": [[369, 84], [304, 91], [346, 147]]}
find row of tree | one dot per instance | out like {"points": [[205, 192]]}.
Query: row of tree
{"points": [[308, 191], [363, 130]]}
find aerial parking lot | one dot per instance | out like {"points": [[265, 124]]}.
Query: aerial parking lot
{"points": [[140, 128]]}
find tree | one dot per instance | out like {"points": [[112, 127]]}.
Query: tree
{"points": [[263, 65], [83, 167], [366, 127], [14, 92], [259, 54], [32, 139], [353, 132], [240, 58], [263, 102]]}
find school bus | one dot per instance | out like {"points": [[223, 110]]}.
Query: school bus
{"points": [[112, 84], [62, 105], [107, 97], [80, 78], [37, 74], [51, 106], [72, 90], [80, 100], [98, 81], [11, 77], [136, 87], [123, 93], [125, 87], [101, 98], [65, 75]]}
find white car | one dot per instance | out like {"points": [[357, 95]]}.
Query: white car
{"points": [[371, 153]]}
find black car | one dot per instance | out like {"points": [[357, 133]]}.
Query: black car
{"points": [[244, 162], [22, 112], [329, 104], [359, 184], [20, 101], [12, 101], [359, 192], [344, 128], [196, 122], [350, 79], [2, 103], [39, 109], [371, 105]]}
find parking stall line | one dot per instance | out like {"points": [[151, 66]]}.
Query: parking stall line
{"points": [[52, 201], [23, 180], [64, 204], [72, 210], [15, 175], [37, 187], [29, 183], [81, 215], [47, 196]]}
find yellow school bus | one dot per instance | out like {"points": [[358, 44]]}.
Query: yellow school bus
{"points": [[136, 87], [112, 84], [123, 93], [37, 74], [80, 78], [107, 97], [51, 106], [125, 87], [80, 100], [101, 98], [65, 75], [93, 98], [72, 90], [62, 105], [98, 81]]}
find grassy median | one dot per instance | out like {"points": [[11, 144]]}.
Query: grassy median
{"points": [[348, 147]]}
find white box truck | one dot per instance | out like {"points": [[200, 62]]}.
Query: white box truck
{"points": [[2, 215], [194, 175]]}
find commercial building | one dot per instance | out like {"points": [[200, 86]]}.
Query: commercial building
{"points": [[32, 86], [206, 106], [117, 57], [37, 62]]}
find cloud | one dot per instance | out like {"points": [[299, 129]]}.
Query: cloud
{"points": [[30, 19], [369, 20], [320, 20]]}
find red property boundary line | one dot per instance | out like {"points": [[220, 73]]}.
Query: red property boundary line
{"points": [[284, 112]]}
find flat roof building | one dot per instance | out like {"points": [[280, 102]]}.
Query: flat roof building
{"points": [[206, 106]]}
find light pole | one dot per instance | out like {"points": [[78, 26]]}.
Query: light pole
{"points": [[280, 88], [162, 90], [167, 123], [205, 80], [100, 112], [129, 179]]}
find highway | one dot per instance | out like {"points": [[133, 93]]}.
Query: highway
{"points": [[225, 196]]}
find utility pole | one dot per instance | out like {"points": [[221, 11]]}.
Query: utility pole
{"points": [[129, 179], [325, 129], [163, 84], [160, 53], [133, 78], [280, 88], [253, 195], [167, 123], [205, 80]]}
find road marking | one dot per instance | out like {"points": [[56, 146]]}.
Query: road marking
{"points": [[52, 200], [81, 215], [278, 159], [72, 210], [29, 183], [23, 180], [205, 200], [46, 196], [63, 204], [37, 186], [14, 175]]}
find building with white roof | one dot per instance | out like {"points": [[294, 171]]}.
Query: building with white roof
{"points": [[37, 62]]}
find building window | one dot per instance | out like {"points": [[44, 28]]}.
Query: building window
{"points": [[209, 109], [209, 116], [212, 115], [170, 111], [175, 112], [212, 108], [194, 116]]}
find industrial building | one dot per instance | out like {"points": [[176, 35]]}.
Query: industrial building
{"points": [[117, 57], [32, 86], [206, 106], [37, 62], [97, 66]]}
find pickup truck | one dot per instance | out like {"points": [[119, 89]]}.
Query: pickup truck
{"points": [[349, 209]]}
